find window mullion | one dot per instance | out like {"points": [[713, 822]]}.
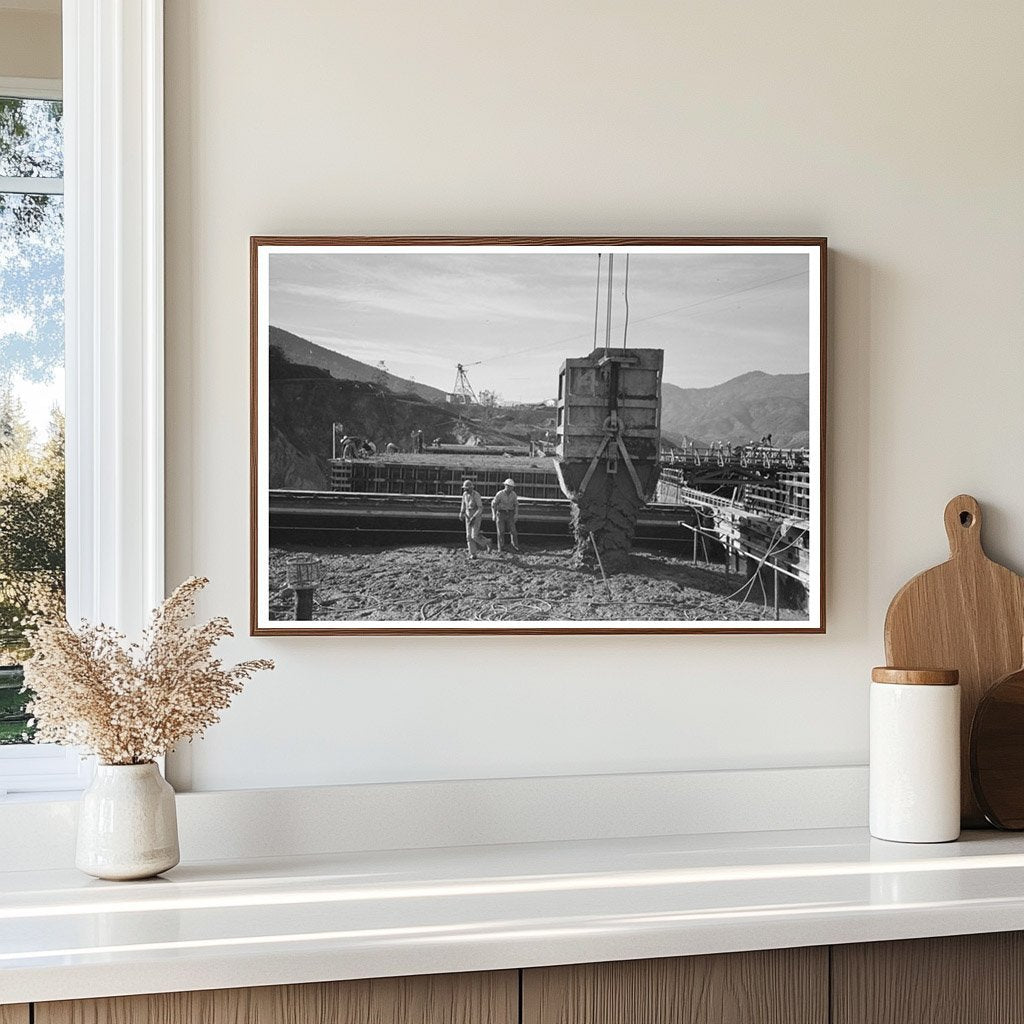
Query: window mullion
{"points": [[32, 186]]}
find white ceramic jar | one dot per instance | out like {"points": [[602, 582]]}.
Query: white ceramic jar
{"points": [[915, 755], [127, 823]]}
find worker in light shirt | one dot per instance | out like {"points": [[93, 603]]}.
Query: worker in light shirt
{"points": [[472, 512], [505, 512]]}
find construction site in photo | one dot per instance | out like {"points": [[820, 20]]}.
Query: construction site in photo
{"points": [[596, 504]]}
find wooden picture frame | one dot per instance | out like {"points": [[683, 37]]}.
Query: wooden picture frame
{"points": [[355, 523]]}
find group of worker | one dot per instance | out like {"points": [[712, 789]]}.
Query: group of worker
{"points": [[364, 448], [357, 448], [504, 512]]}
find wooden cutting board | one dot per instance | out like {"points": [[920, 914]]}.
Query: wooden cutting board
{"points": [[967, 614]]}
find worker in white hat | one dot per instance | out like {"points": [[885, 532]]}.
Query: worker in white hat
{"points": [[505, 512], [472, 511]]}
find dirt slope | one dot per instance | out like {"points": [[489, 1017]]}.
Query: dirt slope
{"points": [[343, 367]]}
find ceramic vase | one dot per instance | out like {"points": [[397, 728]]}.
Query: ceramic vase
{"points": [[127, 825]]}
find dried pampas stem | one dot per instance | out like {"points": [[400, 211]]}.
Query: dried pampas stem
{"points": [[129, 703]]}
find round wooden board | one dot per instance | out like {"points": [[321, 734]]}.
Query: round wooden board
{"points": [[997, 752]]}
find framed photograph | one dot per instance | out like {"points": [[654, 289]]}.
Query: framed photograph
{"points": [[537, 435]]}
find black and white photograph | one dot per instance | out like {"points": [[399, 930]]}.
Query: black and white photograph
{"points": [[544, 435]]}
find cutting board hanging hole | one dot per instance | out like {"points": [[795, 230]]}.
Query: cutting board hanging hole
{"points": [[963, 526]]}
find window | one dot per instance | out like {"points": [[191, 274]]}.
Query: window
{"points": [[32, 530], [31, 383]]}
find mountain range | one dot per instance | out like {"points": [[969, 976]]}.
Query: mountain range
{"points": [[738, 411], [742, 409]]}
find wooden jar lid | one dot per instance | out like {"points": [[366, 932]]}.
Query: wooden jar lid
{"points": [[916, 676]]}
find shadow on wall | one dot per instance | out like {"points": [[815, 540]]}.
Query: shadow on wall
{"points": [[853, 286]]}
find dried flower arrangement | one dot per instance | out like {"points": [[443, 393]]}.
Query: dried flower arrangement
{"points": [[130, 703]]}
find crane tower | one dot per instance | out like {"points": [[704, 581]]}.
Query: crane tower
{"points": [[462, 392]]}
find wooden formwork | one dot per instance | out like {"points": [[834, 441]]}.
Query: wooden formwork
{"points": [[438, 474], [788, 495], [624, 381]]}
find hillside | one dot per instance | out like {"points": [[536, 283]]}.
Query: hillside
{"points": [[743, 409], [306, 400], [299, 350]]}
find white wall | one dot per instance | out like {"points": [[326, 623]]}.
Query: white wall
{"points": [[895, 129]]}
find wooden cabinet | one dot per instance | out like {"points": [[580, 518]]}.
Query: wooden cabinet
{"points": [[962, 979], [778, 986], [970, 979], [491, 998]]}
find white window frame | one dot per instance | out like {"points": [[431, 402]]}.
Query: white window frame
{"points": [[114, 324]]}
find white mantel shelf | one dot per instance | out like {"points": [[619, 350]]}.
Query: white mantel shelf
{"points": [[226, 924]]}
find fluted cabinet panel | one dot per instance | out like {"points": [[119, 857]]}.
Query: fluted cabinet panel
{"points": [[482, 998], [960, 979], [779, 986]]}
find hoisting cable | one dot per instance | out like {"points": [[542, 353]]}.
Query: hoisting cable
{"points": [[597, 298], [608, 322], [625, 295]]}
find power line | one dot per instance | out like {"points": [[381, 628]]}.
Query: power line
{"points": [[642, 319], [725, 295]]}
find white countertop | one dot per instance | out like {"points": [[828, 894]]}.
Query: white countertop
{"points": [[351, 915]]}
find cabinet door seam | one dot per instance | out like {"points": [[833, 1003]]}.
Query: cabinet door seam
{"points": [[830, 989]]}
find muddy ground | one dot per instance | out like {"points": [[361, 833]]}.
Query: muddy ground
{"points": [[438, 582]]}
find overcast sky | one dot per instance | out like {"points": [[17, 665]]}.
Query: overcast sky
{"points": [[518, 315]]}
